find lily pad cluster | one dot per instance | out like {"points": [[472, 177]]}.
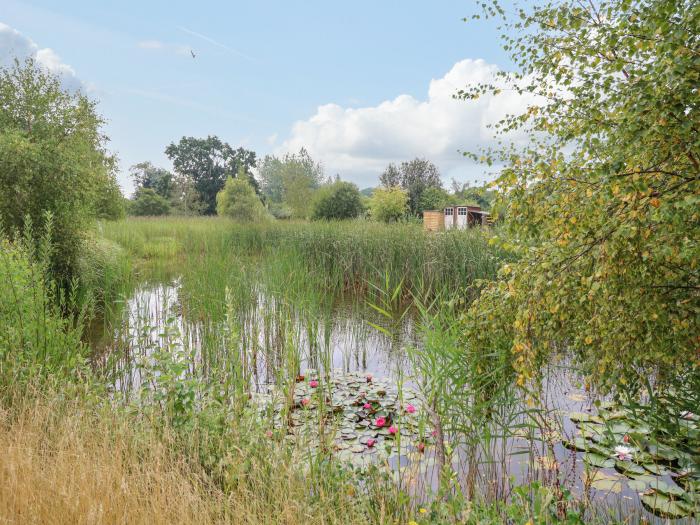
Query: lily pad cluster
{"points": [[663, 469], [362, 418]]}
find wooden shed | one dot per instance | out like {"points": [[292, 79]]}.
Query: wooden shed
{"points": [[433, 220], [459, 217]]}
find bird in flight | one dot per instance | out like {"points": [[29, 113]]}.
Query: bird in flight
{"points": [[192, 53]]}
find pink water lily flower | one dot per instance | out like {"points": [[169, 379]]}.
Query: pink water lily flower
{"points": [[393, 429], [367, 406], [623, 453], [421, 447], [305, 401], [368, 377], [380, 421], [313, 383], [434, 433], [371, 442], [626, 439], [410, 409]]}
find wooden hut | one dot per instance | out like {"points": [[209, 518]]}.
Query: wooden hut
{"points": [[459, 217]]}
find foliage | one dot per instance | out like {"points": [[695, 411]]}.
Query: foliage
{"points": [[340, 200], [148, 176], [291, 180], [415, 177], [435, 199], [147, 202], [207, 163], [239, 201], [52, 159], [110, 203], [478, 195], [36, 340], [388, 204], [603, 204]]}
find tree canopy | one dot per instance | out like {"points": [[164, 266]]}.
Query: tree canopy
{"points": [[207, 163], [238, 200], [388, 204], [337, 201], [53, 159], [603, 205], [415, 177]]}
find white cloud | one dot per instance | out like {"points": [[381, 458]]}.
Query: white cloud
{"points": [[14, 45], [157, 45], [358, 143]]}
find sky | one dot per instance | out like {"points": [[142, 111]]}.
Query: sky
{"points": [[358, 84]]}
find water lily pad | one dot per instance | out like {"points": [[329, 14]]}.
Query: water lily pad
{"points": [[637, 485], [627, 467], [654, 468], [604, 482], [578, 443], [597, 460], [582, 417], [663, 506]]}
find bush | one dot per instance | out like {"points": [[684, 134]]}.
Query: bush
{"points": [[239, 201], [52, 159], [148, 202], [388, 204], [340, 200]]}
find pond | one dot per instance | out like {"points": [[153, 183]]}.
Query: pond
{"points": [[345, 339]]}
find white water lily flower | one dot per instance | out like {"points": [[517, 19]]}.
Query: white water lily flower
{"points": [[623, 453]]}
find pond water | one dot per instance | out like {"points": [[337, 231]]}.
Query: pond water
{"points": [[344, 340]]}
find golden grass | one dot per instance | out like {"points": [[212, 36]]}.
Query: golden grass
{"points": [[67, 462], [60, 467]]}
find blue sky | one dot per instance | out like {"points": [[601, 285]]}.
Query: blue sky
{"points": [[349, 81]]}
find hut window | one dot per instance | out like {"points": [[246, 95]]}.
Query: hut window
{"points": [[461, 211]]}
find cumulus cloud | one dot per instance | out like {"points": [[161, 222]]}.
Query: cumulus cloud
{"points": [[14, 45], [157, 45], [358, 143]]}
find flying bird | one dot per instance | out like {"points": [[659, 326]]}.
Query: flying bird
{"points": [[192, 53]]}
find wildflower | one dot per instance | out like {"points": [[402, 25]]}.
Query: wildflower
{"points": [[410, 409], [623, 453], [380, 421], [686, 414], [367, 406], [421, 447], [434, 432], [393, 429], [268, 433], [412, 522], [313, 383], [422, 510], [305, 401], [371, 442]]}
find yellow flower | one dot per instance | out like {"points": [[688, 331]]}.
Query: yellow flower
{"points": [[412, 522], [422, 510]]}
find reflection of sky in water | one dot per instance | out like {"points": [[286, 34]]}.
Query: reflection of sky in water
{"points": [[346, 341]]}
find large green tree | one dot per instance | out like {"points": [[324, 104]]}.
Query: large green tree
{"points": [[53, 158], [148, 176], [337, 201], [291, 181], [603, 206], [208, 163], [239, 201], [415, 177]]}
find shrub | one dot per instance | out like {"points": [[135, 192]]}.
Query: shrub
{"points": [[239, 201], [52, 159], [388, 204], [340, 200], [148, 202]]}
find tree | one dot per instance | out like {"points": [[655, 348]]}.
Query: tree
{"points": [[160, 180], [340, 200], [388, 204], [52, 159], [291, 180], [110, 203], [147, 202], [415, 177], [603, 205], [207, 163], [239, 201], [435, 199]]}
